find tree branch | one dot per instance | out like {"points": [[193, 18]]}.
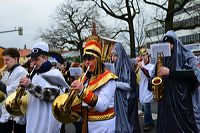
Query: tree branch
{"points": [[155, 4], [118, 32]]}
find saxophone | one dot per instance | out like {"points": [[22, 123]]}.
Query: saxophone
{"points": [[157, 83], [66, 107]]}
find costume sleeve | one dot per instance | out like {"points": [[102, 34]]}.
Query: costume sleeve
{"points": [[183, 75], [123, 86], [46, 94], [101, 101], [16, 76]]}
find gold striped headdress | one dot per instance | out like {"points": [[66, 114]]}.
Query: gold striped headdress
{"points": [[93, 46]]}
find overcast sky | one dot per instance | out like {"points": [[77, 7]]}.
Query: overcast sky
{"points": [[29, 14], [32, 15]]}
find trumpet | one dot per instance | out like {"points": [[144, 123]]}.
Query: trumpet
{"points": [[138, 59], [16, 102], [137, 69], [66, 107]]}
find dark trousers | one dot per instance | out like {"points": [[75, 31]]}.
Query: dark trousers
{"points": [[148, 121], [62, 130], [10, 126], [78, 126]]}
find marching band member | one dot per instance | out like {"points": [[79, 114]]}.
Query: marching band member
{"points": [[39, 115], [146, 95], [97, 91], [8, 123]]}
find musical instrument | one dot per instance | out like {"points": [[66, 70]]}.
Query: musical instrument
{"points": [[157, 83], [107, 46], [2, 69], [2, 95], [66, 107], [137, 59], [16, 102]]}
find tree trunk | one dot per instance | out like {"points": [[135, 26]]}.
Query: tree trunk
{"points": [[80, 48], [132, 39], [169, 16], [81, 53]]}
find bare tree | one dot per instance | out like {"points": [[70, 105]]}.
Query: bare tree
{"points": [[139, 25], [171, 7], [73, 25], [124, 10]]}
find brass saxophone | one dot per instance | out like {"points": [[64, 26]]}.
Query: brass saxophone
{"points": [[66, 107], [16, 102], [157, 83]]}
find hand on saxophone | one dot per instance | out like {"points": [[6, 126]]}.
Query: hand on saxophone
{"points": [[25, 81], [77, 86], [163, 71]]}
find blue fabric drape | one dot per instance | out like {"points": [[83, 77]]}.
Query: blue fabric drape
{"points": [[126, 107]]}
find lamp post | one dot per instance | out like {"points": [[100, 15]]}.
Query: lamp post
{"points": [[19, 29]]}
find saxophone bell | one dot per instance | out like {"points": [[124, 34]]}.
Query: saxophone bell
{"points": [[156, 81]]}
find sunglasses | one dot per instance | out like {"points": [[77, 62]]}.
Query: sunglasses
{"points": [[88, 57], [37, 51]]}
